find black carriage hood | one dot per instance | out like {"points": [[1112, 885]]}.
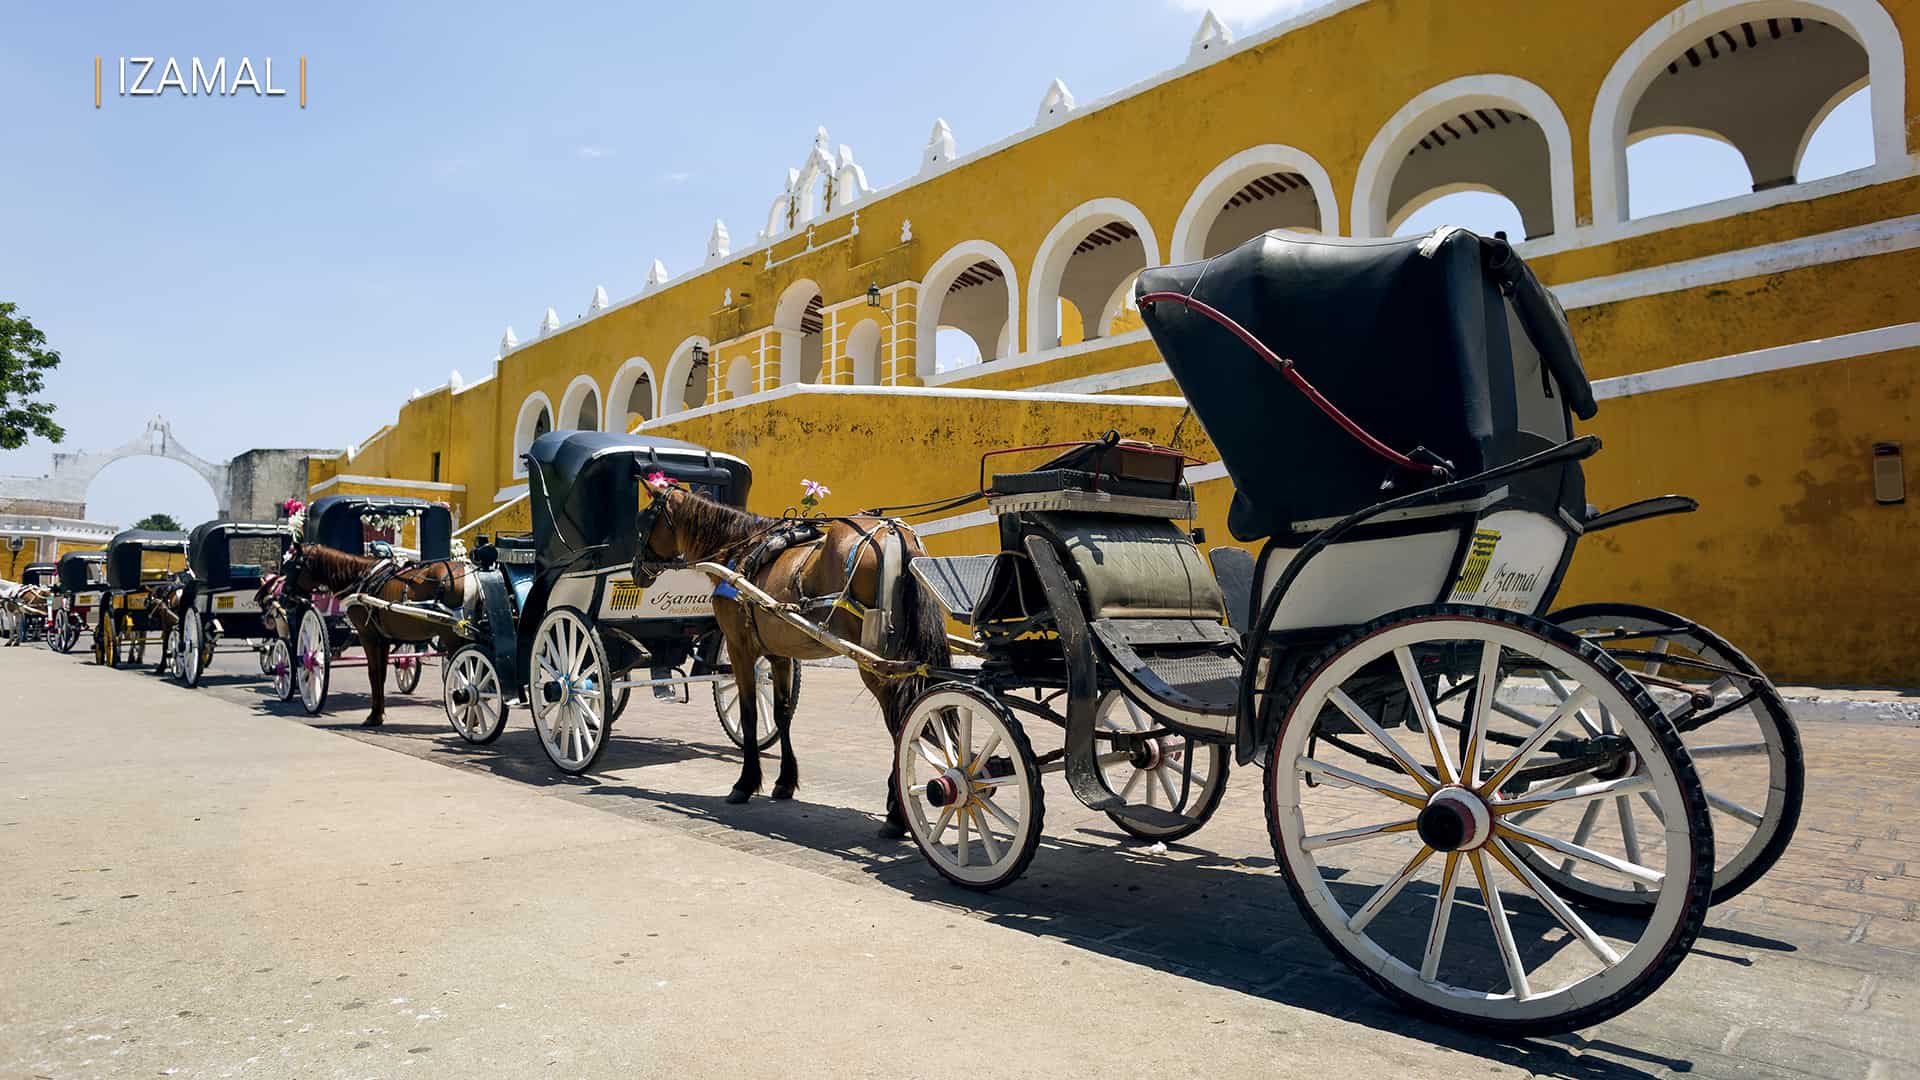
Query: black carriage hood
{"points": [[584, 487], [126, 547], [76, 569], [335, 521], [1408, 337], [210, 546], [44, 570]]}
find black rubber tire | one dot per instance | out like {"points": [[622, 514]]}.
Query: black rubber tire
{"points": [[1779, 716], [1699, 885]]}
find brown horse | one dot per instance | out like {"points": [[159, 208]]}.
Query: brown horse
{"points": [[843, 563], [447, 582]]}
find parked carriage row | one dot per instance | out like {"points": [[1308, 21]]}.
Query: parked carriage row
{"points": [[1501, 814]]}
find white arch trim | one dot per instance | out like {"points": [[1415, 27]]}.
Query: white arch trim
{"points": [[523, 425], [863, 352], [1203, 206], [1043, 286], [614, 418], [571, 398], [1620, 92], [670, 394], [940, 278], [1820, 118], [1428, 198], [1417, 117]]}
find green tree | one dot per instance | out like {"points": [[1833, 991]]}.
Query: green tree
{"points": [[24, 362], [158, 523]]}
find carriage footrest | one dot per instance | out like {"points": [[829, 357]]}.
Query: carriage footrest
{"points": [[1185, 671], [957, 581]]}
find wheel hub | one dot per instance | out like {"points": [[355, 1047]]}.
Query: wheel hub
{"points": [[950, 788], [1455, 819]]}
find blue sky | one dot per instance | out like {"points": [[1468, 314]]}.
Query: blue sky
{"points": [[267, 276]]}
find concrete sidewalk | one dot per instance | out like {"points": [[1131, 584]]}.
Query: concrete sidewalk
{"points": [[195, 889]]}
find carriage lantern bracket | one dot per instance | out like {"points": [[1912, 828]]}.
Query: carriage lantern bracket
{"points": [[1889, 474], [699, 361]]}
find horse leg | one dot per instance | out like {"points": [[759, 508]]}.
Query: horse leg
{"points": [[884, 692], [375, 647], [741, 651], [789, 777]]}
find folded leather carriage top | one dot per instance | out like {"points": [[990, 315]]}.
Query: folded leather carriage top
{"points": [[1445, 342], [1111, 465]]}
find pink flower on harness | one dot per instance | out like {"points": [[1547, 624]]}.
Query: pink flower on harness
{"points": [[659, 481]]}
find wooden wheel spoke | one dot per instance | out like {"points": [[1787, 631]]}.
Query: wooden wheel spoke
{"points": [[1485, 686], [1379, 735], [986, 752], [1350, 836], [987, 840], [1384, 894], [1502, 929], [1574, 923], [1601, 859], [1005, 818], [1626, 785], [1726, 750], [1535, 741], [1442, 915], [1339, 775], [1423, 710], [1733, 809]]}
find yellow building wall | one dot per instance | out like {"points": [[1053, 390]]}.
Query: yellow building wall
{"points": [[1790, 557]]}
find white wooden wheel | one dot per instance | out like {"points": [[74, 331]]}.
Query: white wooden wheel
{"points": [[970, 786], [726, 702], [1401, 847], [572, 707], [170, 649], [195, 647], [312, 661], [263, 655], [475, 698], [279, 664], [56, 629], [407, 663], [1747, 751], [1157, 776]]}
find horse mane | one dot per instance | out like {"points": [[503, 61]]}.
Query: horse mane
{"points": [[334, 568], [708, 528]]}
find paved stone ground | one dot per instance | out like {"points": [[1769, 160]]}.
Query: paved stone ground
{"points": [[1810, 973]]}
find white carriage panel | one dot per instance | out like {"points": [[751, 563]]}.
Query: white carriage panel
{"points": [[1512, 562], [676, 594], [234, 603], [1350, 583]]}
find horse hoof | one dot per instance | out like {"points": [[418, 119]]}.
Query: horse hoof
{"points": [[373, 721], [893, 830], [783, 791], [739, 796]]}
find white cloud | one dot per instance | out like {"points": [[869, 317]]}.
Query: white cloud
{"points": [[1244, 13], [591, 152]]}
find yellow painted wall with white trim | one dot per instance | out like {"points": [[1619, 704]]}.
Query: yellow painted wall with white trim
{"points": [[1790, 556]]}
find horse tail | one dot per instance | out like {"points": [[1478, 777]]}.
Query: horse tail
{"points": [[922, 625]]}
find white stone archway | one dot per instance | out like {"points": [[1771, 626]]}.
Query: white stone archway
{"points": [[1058, 249], [963, 276], [863, 352], [535, 419], [1246, 179], [580, 401], [680, 372], [73, 473], [632, 385], [1866, 21], [1374, 189], [797, 317]]}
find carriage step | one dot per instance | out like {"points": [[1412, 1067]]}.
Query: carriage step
{"points": [[956, 580], [1185, 671], [1152, 816]]}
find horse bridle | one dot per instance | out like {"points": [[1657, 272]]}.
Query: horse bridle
{"points": [[648, 564]]}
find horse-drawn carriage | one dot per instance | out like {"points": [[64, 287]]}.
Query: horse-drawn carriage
{"points": [[81, 581], [1440, 749], [24, 604], [139, 562], [229, 561], [567, 622], [312, 624]]}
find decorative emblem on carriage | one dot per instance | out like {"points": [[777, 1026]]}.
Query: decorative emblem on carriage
{"points": [[625, 595]]}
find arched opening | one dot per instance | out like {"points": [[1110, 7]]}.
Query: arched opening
{"points": [[1479, 133], [969, 308], [1672, 170], [1073, 328], [1491, 149], [684, 386], [1762, 75], [740, 376], [1085, 260], [1760, 84], [863, 351], [535, 419], [630, 397], [131, 488], [580, 405], [1256, 191], [799, 320], [1484, 212]]}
